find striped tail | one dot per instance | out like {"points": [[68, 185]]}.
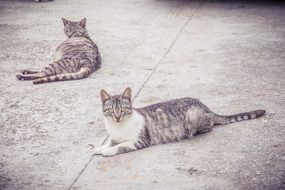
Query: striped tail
{"points": [[82, 73], [222, 120]]}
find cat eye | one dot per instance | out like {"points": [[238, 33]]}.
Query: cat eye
{"points": [[110, 110], [124, 109]]}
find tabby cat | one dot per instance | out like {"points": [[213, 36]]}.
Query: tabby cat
{"points": [[75, 58], [131, 129]]}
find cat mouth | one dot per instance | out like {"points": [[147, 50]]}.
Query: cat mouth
{"points": [[117, 118]]}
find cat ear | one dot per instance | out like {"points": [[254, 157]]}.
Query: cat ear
{"points": [[82, 23], [127, 94], [104, 96], [65, 22]]}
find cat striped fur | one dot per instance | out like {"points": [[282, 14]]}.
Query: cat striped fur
{"points": [[75, 58], [131, 129]]}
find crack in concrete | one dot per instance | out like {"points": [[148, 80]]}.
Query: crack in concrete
{"points": [[167, 51], [148, 78], [85, 166]]}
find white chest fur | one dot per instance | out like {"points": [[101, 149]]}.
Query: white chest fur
{"points": [[126, 130]]}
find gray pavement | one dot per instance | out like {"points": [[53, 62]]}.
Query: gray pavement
{"points": [[229, 54]]}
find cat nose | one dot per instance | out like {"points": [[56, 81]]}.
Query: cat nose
{"points": [[117, 118]]}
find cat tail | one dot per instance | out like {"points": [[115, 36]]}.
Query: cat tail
{"points": [[82, 73], [222, 120]]}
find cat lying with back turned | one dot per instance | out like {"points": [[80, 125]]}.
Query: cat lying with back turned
{"points": [[131, 129], [75, 58]]}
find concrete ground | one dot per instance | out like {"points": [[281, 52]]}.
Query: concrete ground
{"points": [[229, 54]]}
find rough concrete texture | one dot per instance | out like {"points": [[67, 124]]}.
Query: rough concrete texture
{"points": [[229, 54]]}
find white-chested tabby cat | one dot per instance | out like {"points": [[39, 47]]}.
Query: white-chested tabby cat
{"points": [[131, 129], [75, 58]]}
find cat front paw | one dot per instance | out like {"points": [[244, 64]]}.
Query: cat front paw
{"points": [[24, 72], [98, 150], [109, 152], [20, 77]]}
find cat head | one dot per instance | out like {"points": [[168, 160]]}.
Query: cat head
{"points": [[117, 107], [75, 29]]}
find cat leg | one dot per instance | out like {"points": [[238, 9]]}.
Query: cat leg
{"points": [[31, 76], [191, 122], [82, 73], [28, 71], [109, 143], [205, 129], [197, 121], [206, 125], [120, 148]]}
